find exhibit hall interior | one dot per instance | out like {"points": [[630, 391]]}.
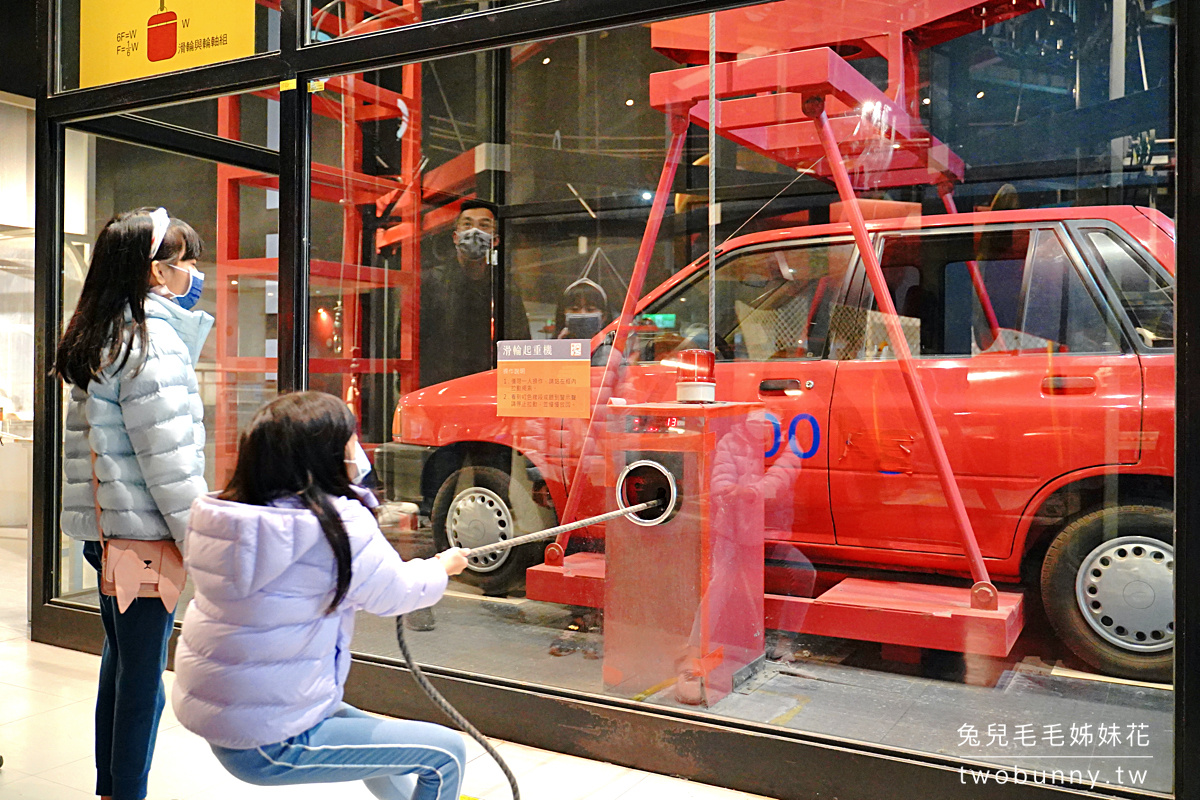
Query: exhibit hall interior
{"points": [[801, 378]]}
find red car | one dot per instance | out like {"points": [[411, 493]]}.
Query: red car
{"points": [[1051, 380]]}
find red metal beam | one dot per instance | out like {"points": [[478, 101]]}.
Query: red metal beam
{"points": [[679, 126], [983, 594]]}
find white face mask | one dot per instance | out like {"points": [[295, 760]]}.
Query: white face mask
{"points": [[362, 464]]}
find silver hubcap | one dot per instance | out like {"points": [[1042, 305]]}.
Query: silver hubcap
{"points": [[1125, 590], [478, 516]]}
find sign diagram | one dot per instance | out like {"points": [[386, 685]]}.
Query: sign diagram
{"points": [[123, 40], [162, 34]]}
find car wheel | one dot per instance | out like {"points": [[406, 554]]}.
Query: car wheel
{"points": [[482, 505], [1108, 590]]}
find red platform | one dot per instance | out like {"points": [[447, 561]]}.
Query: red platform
{"points": [[891, 612], [578, 581], [909, 614]]}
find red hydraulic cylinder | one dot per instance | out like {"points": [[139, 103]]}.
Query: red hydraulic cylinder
{"points": [[983, 593]]}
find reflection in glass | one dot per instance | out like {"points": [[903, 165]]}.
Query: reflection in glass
{"points": [[1023, 262]]}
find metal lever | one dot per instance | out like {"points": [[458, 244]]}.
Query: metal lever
{"points": [[550, 533]]}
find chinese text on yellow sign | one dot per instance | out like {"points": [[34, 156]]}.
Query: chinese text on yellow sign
{"points": [[125, 39], [543, 378]]}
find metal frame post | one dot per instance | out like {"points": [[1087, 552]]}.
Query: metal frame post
{"points": [[678, 121]]}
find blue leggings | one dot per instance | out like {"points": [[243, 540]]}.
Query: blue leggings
{"points": [[130, 697], [396, 759]]}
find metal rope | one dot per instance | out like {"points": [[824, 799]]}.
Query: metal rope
{"points": [[436, 696]]}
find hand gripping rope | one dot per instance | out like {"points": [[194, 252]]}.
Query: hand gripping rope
{"points": [[436, 696]]}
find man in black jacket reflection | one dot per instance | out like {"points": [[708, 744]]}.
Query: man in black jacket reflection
{"points": [[456, 301]]}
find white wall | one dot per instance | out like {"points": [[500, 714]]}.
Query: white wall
{"points": [[17, 154], [17, 148]]}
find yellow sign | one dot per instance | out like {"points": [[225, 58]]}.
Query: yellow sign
{"points": [[125, 39], [544, 378]]}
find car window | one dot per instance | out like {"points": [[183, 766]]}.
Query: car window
{"points": [[1058, 307], [1146, 294], [770, 304], [1029, 298]]}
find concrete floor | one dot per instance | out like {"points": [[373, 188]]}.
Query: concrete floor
{"points": [[49, 694], [1037, 697]]}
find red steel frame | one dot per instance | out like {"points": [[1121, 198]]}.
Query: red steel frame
{"points": [[353, 101], [777, 105]]}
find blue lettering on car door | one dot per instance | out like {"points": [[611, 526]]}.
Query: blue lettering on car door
{"points": [[776, 430], [777, 435], [816, 435]]}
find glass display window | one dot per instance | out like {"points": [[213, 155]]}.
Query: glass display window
{"points": [[232, 212], [1021, 310], [862, 314]]}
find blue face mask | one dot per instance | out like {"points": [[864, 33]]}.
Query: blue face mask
{"points": [[192, 296]]}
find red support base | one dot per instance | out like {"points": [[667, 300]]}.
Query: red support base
{"points": [[578, 581], [907, 615]]}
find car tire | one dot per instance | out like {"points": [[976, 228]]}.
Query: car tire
{"points": [[480, 505], [1107, 589]]}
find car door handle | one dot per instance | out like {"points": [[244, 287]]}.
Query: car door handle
{"points": [[1068, 384], [779, 386]]}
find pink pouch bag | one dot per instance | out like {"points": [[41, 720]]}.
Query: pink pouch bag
{"points": [[131, 568]]}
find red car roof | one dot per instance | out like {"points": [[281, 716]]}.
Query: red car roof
{"points": [[1153, 229]]}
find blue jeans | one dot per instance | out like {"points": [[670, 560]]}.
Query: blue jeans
{"points": [[396, 759], [130, 697]]}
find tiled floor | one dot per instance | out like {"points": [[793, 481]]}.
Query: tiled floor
{"points": [[46, 736]]}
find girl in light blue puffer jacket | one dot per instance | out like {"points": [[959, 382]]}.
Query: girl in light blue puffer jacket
{"points": [[129, 354], [282, 560]]}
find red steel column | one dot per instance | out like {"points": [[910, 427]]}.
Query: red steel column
{"points": [[983, 593], [679, 126]]}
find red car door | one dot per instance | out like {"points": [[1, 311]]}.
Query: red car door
{"points": [[1054, 389], [773, 306]]}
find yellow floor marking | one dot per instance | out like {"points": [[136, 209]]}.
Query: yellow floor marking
{"points": [[1063, 672], [653, 690], [512, 601], [787, 716]]}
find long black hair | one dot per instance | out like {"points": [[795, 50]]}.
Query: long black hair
{"points": [[296, 447], [118, 277]]}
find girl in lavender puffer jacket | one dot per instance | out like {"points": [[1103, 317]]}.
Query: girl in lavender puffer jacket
{"points": [[281, 561]]}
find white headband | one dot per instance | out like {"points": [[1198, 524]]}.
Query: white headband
{"points": [[587, 282], [161, 220]]}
